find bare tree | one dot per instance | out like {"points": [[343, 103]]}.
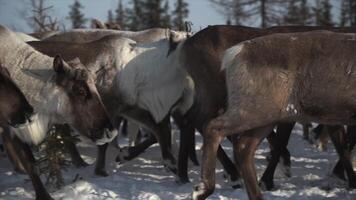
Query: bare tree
{"points": [[268, 12], [231, 9], [40, 19]]}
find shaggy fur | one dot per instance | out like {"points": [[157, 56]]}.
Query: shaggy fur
{"points": [[153, 81]]}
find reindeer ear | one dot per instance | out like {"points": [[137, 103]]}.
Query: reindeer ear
{"points": [[96, 24], [58, 64]]}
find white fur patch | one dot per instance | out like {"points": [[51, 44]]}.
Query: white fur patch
{"points": [[132, 132], [230, 55], [291, 108], [151, 80], [56, 103], [33, 132], [293, 38], [200, 191], [108, 137]]}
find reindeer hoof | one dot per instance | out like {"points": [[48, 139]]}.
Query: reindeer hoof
{"points": [[200, 192], [101, 172], [123, 155], [266, 185], [339, 174], [170, 166], [286, 171], [43, 196], [352, 184], [235, 183]]}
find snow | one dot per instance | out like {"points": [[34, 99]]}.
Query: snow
{"points": [[145, 178]]}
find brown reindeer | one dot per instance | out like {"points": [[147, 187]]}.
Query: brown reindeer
{"points": [[15, 111], [201, 57], [282, 77]]}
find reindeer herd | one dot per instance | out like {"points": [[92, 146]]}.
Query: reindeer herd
{"points": [[223, 81]]}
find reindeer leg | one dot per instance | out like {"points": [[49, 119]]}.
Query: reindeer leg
{"points": [[186, 142], [306, 131], [77, 160], [129, 153], [235, 121], [26, 161], [100, 162], [339, 138], [245, 148], [351, 141], [161, 130], [12, 154], [230, 168], [279, 144], [192, 151]]}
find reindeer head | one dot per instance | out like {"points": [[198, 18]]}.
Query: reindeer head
{"points": [[76, 100]]}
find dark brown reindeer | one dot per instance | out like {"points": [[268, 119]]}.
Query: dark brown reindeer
{"points": [[282, 77], [15, 111]]}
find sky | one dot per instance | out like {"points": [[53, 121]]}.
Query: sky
{"points": [[202, 12]]}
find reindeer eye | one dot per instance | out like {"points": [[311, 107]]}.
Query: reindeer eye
{"points": [[80, 90]]}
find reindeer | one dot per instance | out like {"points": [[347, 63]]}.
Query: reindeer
{"points": [[104, 58], [272, 79], [60, 92], [16, 111]]}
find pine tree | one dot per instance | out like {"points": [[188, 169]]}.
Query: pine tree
{"points": [[52, 155], [305, 13], [76, 16], [233, 10], [110, 17], [292, 17], [298, 13], [345, 13], [265, 11], [135, 16], [322, 13], [238, 13], [121, 16], [352, 4], [153, 13], [180, 14], [166, 17]]}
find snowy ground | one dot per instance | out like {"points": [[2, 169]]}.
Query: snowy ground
{"points": [[145, 178]]}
